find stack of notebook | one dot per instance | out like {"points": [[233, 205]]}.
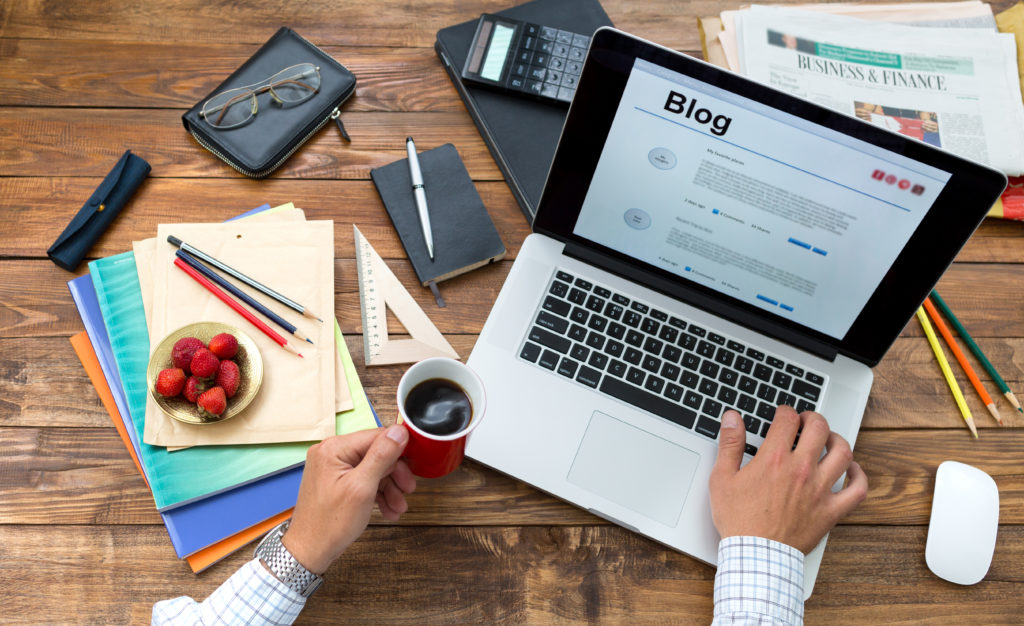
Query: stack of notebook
{"points": [[213, 499]]}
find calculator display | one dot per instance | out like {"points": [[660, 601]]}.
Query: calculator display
{"points": [[489, 56], [497, 52]]}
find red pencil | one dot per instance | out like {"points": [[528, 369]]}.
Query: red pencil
{"points": [[228, 300]]}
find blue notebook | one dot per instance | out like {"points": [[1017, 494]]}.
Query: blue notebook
{"points": [[88, 306], [194, 526]]}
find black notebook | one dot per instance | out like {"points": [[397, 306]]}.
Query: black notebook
{"points": [[522, 134], [464, 235]]}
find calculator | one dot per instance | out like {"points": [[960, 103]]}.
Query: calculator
{"points": [[525, 59]]}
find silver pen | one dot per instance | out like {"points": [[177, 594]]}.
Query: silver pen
{"points": [[420, 194]]}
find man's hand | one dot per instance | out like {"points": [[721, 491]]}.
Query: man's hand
{"points": [[343, 478], [784, 493]]}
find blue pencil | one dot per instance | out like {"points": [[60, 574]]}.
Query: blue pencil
{"points": [[238, 293]]}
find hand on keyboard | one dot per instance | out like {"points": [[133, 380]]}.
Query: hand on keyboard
{"points": [[785, 492]]}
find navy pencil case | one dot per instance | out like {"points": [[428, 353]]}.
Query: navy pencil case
{"points": [[99, 211]]}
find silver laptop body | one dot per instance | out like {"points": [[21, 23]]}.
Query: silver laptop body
{"points": [[658, 265]]}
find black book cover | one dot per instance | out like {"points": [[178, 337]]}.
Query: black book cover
{"points": [[521, 133], [464, 235]]}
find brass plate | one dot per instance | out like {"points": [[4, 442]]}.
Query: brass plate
{"points": [[248, 359]]}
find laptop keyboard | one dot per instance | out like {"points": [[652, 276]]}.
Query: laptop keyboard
{"points": [[660, 363]]}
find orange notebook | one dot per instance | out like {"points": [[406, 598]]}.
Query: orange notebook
{"points": [[83, 348], [206, 557]]}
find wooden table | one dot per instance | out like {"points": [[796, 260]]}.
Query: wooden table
{"points": [[80, 540]]}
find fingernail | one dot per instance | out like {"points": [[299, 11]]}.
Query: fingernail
{"points": [[397, 433], [731, 419]]}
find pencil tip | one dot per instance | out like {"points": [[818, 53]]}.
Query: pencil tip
{"points": [[307, 339], [319, 320], [994, 412], [302, 357]]}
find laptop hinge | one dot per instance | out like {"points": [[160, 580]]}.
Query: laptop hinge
{"points": [[703, 301]]}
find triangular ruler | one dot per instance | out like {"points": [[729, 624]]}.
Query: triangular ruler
{"points": [[380, 290]]}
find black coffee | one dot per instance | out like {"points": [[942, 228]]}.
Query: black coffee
{"points": [[438, 406]]}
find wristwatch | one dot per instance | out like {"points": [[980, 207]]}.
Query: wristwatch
{"points": [[284, 566]]}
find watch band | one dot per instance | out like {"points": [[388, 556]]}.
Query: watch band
{"points": [[284, 566]]}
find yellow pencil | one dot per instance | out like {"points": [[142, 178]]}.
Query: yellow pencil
{"points": [[958, 395]]}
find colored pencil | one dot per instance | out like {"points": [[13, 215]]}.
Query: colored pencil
{"points": [[242, 277], [946, 371], [215, 290], [241, 295], [962, 359], [991, 369]]}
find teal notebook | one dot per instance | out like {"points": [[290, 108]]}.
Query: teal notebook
{"points": [[186, 475]]}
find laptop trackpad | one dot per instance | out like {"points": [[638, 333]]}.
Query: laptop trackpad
{"points": [[634, 469]]}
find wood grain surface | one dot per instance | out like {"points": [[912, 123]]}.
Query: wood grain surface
{"points": [[80, 540]]}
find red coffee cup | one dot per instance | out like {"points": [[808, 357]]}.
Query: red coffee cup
{"points": [[430, 455]]}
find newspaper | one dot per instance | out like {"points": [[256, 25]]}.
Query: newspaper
{"points": [[964, 14], [954, 88]]}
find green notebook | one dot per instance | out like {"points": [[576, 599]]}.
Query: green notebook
{"points": [[187, 475]]}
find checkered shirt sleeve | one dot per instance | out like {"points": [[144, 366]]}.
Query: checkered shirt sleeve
{"points": [[759, 581], [251, 596]]}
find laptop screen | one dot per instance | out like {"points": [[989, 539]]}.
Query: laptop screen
{"points": [[785, 215], [802, 223]]}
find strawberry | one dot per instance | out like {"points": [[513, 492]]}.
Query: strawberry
{"points": [[204, 364], [183, 351], [212, 403], [194, 387], [228, 377], [170, 381], [224, 346]]}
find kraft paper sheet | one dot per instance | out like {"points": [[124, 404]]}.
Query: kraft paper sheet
{"points": [[297, 399]]}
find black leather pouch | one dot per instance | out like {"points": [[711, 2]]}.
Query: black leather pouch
{"points": [[96, 215], [265, 142]]}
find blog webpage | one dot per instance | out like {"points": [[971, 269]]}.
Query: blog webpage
{"points": [[780, 213]]}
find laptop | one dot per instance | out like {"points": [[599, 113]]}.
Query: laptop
{"points": [[704, 242]]}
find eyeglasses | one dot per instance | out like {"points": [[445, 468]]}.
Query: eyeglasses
{"points": [[234, 107]]}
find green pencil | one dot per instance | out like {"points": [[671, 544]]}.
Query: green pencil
{"points": [[937, 299]]}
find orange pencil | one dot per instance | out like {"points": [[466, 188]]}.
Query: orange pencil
{"points": [[962, 359], [228, 300]]}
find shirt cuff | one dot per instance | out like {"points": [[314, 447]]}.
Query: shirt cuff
{"points": [[251, 595], [288, 595], [759, 577]]}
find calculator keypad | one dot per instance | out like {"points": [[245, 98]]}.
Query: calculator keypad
{"points": [[548, 62]]}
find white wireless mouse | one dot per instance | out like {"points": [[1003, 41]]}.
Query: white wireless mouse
{"points": [[962, 529]]}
